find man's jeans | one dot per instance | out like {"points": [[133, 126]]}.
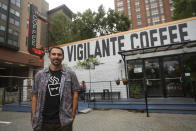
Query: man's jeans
{"points": [[55, 127]]}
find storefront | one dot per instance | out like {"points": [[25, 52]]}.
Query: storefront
{"points": [[165, 75], [160, 57]]}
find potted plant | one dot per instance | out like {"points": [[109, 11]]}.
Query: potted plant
{"points": [[117, 81], [135, 90], [125, 81]]}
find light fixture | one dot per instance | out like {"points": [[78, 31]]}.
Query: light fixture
{"points": [[22, 65], [8, 62]]}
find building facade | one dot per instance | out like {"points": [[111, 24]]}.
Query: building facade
{"points": [[15, 59], [161, 58], [144, 13]]}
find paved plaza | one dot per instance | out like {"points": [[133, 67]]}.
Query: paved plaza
{"points": [[109, 120]]}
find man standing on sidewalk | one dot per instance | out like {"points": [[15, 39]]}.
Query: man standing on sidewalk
{"points": [[54, 95]]}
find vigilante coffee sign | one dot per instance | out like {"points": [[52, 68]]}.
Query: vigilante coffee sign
{"points": [[155, 36]]}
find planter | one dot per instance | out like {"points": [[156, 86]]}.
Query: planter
{"points": [[117, 82], [125, 81]]}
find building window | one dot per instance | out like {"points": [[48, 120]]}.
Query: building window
{"points": [[15, 33], [10, 31], [14, 22], [3, 17], [11, 21], [2, 28], [128, 2], [146, 1], [9, 42], [149, 21], [15, 43], [2, 39], [17, 23], [137, 4], [170, 2], [172, 9], [16, 2], [121, 10], [139, 23], [138, 10], [155, 14], [120, 4], [4, 6], [154, 7], [153, 1], [138, 17], [16, 13]]}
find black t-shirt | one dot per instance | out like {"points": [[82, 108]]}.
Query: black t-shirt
{"points": [[52, 98]]}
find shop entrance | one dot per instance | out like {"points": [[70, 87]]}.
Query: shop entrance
{"points": [[153, 77], [164, 76], [173, 76]]}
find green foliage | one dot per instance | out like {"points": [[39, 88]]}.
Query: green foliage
{"points": [[60, 27], [184, 9], [135, 89], [86, 25], [86, 63]]}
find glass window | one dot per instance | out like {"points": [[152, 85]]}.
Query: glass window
{"points": [[2, 39], [4, 6], [138, 17], [12, 11], [17, 13], [3, 17], [9, 41], [149, 21], [17, 23], [15, 43], [2, 28], [120, 10], [138, 10], [18, 3], [152, 1], [139, 23], [11, 20], [15, 33], [10, 31], [13, 2], [120, 3]]}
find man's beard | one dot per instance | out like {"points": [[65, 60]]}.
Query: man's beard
{"points": [[56, 63]]}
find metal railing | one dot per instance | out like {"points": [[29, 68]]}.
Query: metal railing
{"points": [[17, 90]]}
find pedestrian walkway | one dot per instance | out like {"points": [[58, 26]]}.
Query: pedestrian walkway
{"points": [[109, 120]]}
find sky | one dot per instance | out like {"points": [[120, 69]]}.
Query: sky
{"points": [[82, 5]]}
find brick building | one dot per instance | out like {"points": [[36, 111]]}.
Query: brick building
{"points": [[15, 60], [145, 12]]}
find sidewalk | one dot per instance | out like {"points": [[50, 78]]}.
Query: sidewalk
{"points": [[110, 120], [123, 120]]}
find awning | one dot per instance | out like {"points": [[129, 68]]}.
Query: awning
{"points": [[186, 45]]}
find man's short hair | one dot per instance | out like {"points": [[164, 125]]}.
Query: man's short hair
{"points": [[55, 47]]}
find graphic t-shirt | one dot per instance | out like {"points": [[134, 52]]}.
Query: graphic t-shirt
{"points": [[52, 98]]}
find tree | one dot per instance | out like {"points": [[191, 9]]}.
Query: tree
{"points": [[86, 25], [184, 9], [83, 25], [59, 32], [91, 24]]}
